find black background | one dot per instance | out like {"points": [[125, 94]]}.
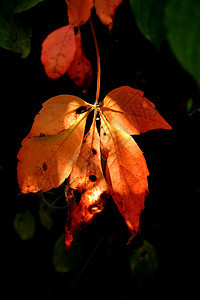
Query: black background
{"points": [[170, 221]]}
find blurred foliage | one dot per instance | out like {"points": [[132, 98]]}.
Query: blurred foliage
{"points": [[24, 224], [143, 263], [178, 22], [15, 28]]}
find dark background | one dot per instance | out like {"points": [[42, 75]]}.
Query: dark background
{"points": [[170, 221]]}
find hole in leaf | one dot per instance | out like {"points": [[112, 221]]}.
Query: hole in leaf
{"points": [[104, 133], [93, 178], [94, 151]]}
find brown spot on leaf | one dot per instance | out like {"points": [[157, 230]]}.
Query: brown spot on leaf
{"points": [[44, 166]]}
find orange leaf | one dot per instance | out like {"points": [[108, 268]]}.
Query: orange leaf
{"points": [[58, 51], [127, 110], [58, 113], [126, 173], [79, 11], [46, 161], [80, 69], [86, 178], [106, 10]]}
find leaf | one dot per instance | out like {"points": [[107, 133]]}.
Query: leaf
{"points": [[126, 173], [47, 158], [149, 16], [23, 5], [183, 26], [126, 109], [46, 161], [58, 51], [80, 69], [45, 215], [65, 262], [58, 113], [87, 179], [79, 11], [24, 225], [106, 10], [15, 34], [143, 263]]}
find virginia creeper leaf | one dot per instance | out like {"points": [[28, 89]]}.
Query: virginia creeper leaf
{"points": [[79, 11], [47, 158], [80, 69], [126, 173], [127, 110], [58, 113], [46, 161], [58, 51], [106, 10], [86, 178]]}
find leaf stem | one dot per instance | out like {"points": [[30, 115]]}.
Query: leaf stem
{"points": [[98, 63]]}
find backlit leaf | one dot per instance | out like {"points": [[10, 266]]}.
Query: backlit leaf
{"points": [[126, 109], [46, 161], [58, 51], [126, 173], [80, 69], [58, 113], [106, 10], [87, 179], [79, 11]]}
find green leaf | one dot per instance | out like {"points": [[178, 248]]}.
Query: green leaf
{"points": [[143, 263], [15, 34], [65, 261], [183, 25], [45, 215], [149, 15], [23, 5], [24, 224]]}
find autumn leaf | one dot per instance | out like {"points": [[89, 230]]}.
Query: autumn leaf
{"points": [[126, 109], [79, 11], [126, 173], [58, 113], [87, 179], [55, 150], [58, 51], [58, 128], [80, 69], [106, 10]]}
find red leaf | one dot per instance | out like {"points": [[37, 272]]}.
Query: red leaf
{"points": [[87, 179], [106, 10], [127, 110], [58, 51], [80, 69], [126, 173], [79, 11]]}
